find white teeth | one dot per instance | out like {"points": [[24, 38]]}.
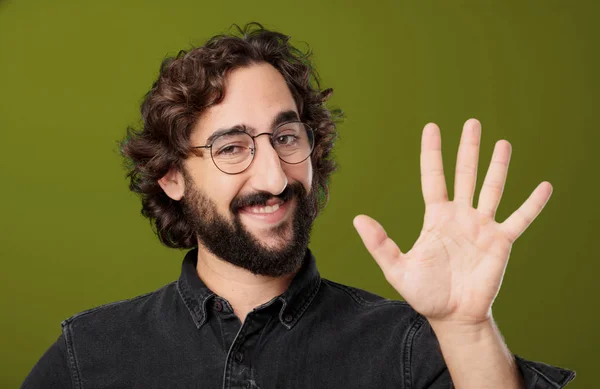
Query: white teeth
{"points": [[267, 209]]}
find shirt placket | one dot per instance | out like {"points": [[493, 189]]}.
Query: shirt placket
{"points": [[239, 372]]}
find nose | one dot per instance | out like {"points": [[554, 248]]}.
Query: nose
{"points": [[267, 172]]}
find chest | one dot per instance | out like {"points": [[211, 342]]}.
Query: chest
{"points": [[261, 355]]}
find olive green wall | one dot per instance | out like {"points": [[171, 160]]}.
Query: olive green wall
{"points": [[72, 75]]}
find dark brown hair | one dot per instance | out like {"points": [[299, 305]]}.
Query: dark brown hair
{"points": [[193, 81]]}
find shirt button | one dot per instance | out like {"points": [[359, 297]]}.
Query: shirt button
{"points": [[239, 356], [218, 306], [288, 318]]}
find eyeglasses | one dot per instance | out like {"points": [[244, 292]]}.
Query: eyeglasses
{"points": [[233, 151]]}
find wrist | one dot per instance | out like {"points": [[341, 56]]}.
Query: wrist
{"points": [[477, 346], [464, 332]]}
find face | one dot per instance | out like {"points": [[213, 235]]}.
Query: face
{"points": [[259, 219]]}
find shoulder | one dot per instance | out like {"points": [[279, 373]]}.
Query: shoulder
{"points": [[360, 306], [384, 326], [124, 313], [410, 331], [360, 297], [126, 330]]}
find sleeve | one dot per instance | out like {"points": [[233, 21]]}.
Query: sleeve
{"points": [[427, 370], [52, 370], [538, 375]]}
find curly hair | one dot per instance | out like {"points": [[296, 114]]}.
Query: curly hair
{"points": [[193, 81]]}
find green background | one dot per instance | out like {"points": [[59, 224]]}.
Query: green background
{"points": [[72, 75]]}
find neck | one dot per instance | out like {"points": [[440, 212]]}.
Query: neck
{"points": [[242, 289]]}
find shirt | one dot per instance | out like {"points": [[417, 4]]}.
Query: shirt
{"points": [[317, 334]]}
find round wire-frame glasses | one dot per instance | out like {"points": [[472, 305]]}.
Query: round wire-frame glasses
{"points": [[233, 151]]}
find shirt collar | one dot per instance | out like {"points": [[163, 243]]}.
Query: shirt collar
{"points": [[294, 301]]}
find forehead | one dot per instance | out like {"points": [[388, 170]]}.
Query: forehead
{"points": [[254, 97]]}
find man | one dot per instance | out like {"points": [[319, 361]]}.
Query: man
{"points": [[232, 163]]}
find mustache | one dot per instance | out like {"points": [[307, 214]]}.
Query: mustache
{"points": [[261, 198]]}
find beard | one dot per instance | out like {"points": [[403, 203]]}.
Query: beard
{"points": [[232, 242]]}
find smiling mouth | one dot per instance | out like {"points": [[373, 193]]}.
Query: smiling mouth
{"points": [[273, 212], [271, 207]]}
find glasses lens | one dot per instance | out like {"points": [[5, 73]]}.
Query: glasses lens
{"points": [[232, 152], [293, 142]]}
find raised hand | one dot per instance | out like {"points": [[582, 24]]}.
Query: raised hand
{"points": [[454, 270]]}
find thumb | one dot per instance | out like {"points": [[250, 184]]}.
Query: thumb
{"points": [[383, 249]]}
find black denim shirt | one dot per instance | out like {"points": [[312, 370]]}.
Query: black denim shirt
{"points": [[318, 334]]}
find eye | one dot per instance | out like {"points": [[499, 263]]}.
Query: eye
{"points": [[232, 145], [228, 150], [286, 140]]}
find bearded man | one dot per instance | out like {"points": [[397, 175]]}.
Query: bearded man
{"points": [[232, 163]]}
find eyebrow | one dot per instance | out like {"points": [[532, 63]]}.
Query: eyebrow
{"points": [[282, 117]]}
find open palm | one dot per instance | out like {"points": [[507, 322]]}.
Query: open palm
{"points": [[454, 270]]}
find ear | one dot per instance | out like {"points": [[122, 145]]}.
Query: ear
{"points": [[173, 184]]}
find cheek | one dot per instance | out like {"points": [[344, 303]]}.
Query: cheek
{"points": [[309, 175], [220, 188], [302, 173], [223, 189]]}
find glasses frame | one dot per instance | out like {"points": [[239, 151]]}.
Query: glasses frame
{"points": [[253, 149]]}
